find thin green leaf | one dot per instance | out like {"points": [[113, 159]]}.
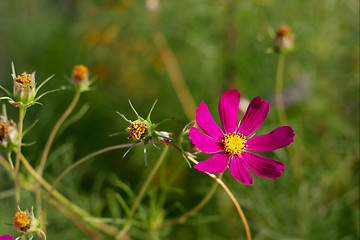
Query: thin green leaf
{"points": [[118, 133], [123, 116], [43, 83], [13, 68], [128, 150], [75, 118], [28, 144], [145, 155], [7, 98], [152, 108], [45, 93], [5, 90], [30, 127], [137, 115]]}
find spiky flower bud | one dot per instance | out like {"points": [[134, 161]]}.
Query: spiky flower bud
{"points": [[24, 89], [80, 78], [26, 223], [186, 143], [8, 134], [284, 40]]}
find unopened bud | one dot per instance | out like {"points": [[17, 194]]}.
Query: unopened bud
{"points": [[284, 40], [80, 78]]}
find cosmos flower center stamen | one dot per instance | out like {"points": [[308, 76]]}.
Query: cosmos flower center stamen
{"points": [[80, 72], [234, 144], [137, 130], [24, 79], [22, 219]]}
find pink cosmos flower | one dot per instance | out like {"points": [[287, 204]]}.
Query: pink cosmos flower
{"points": [[232, 144], [6, 237]]}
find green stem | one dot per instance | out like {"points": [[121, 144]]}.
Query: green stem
{"points": [[279, 90], [142, 192], [200, 205], [66, 203], [282, 114], [231, 196], [47, 149], [22, 112], [77, 163]]}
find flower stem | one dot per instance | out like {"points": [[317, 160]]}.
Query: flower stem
{"points": [[200, 205], [233, 199], [282, 114], [279, 90], [22, 112], [142, 192], [77, 163], [66, 203], [47, 149]]}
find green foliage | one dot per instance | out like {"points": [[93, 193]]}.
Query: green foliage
{"points": [[219, 45]]}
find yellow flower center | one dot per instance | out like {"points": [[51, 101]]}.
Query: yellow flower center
{"points": [[22, 219], [24, 79], [80, 72], [234, 143], [136, 130]]}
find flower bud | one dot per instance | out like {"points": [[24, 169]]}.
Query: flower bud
{"points": [[26, 223], [80, 78], [284, 40], [24, 89], [8, 134], [186, 143]]}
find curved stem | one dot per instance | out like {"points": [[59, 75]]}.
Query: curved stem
{"points": [[22, 112], [200, 205], [233, 199], [47, 149], [282, 114], [77, 163], [66, 203], [142, 192], [279, 90]]}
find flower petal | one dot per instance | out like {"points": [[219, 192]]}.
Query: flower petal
{"points": [[205, 121], [263, 166], [239, 170], [228, 110], [6, 237], [216, 164], [205, 143], [254, 116], [277, 138]]}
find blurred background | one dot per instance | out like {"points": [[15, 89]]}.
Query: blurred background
{"points": [[218, 44]]}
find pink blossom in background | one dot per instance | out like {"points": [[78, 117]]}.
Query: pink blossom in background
{"points": [[6, 237], [232, 143]]}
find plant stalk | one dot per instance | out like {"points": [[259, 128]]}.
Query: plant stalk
{"points": [[22, 112]]}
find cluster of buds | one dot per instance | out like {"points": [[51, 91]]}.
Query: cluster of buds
{"points": [[8, 134], [80, 78], [24, 89], [143, 130], [284, 40], [26, 223]]}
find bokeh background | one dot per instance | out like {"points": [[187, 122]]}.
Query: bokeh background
{"points": [[218, 44]]}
